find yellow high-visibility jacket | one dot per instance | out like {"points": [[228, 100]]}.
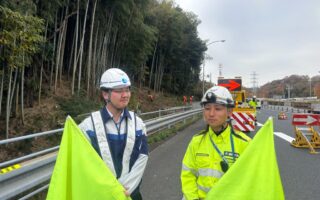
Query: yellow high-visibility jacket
{"points": [[253, 104], [201, 167]]}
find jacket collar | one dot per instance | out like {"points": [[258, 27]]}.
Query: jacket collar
{"points": [[106, 116], [225, 134]]}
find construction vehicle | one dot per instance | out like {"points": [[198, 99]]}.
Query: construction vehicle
{"points": [[243, 116]]}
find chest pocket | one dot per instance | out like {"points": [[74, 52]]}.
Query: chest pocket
{"points": [[202, 160]]}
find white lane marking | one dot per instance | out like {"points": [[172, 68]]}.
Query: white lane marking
{"points": [[281, 135], [284, 136]]}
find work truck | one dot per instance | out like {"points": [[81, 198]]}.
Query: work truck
{"points": [[243, 116]]}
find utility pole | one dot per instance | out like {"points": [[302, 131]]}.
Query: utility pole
{"points": [[204, 62], [310, 87], [289, 87], [254, 82], [220, 70], [206, 57]]}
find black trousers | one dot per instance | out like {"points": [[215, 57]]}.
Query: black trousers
{"points": [[136, 195]]}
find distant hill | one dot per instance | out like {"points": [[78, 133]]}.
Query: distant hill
{"points": [[299, 87]]}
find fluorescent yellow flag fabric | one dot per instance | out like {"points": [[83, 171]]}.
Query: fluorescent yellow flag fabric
{"points": [[79, 172], [255, 175]]}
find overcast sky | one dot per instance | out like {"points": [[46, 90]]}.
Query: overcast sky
{"points": [[273, 38]]}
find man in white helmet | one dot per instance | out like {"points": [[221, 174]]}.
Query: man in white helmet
{"points": [[213, 151], [118, 135]]}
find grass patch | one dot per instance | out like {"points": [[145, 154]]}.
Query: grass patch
{"points": [[164, 134], [78, 105]]}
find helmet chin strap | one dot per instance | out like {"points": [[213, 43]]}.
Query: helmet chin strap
{"points": [[107, 101]]}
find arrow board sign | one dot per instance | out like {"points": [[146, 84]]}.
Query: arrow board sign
{"points": [[230, 84]]}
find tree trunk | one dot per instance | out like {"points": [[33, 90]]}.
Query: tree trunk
{"points": [[89, 65], [122, 39], [155, 85], [161, 75], [58, 57], [40, 84], [13, 87], [100, 55], [8, 104], [104, 62], [1, 89], [16, 105], [107, 42], [94, 63], [104, 55], [81, 47], [71, 56], [41, 69], [64, 35], [152, 64], [22, 95], [75, 60], [54, 48], [113, 47]]}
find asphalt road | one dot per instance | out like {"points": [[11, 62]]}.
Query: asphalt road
{"points": [[162, 177], [300, 170]]}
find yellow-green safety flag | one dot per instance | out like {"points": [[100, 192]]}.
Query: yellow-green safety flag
{"points": [[79, 172], [255, 175]]}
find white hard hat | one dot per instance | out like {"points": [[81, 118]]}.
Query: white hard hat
{"points": [[114, 78], [219, 95]]}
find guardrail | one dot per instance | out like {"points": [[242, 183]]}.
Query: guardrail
{"points": [[285, 108], [159, 113], [154, 114], [33, 174]]}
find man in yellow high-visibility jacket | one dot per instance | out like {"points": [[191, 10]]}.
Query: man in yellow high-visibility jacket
{"points": [[253, 102], [211, 152]]}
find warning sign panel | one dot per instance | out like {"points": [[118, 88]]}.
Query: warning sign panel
{"points": [[231, 84]]}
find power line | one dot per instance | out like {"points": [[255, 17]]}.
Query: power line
{"points": [[254, 82]]}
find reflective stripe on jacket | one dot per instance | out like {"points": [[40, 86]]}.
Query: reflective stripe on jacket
{"points": [[201, 164], [124, 149]]}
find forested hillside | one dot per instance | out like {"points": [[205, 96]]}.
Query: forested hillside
{"points": [[48, 45], [299, 86]]}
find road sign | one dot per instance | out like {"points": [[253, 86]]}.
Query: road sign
{"points": [[306, 120], [231, 84], [243, 121]]}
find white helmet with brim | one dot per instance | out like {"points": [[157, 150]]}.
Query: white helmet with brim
{"points": [[218, 95], [114, 78]]}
